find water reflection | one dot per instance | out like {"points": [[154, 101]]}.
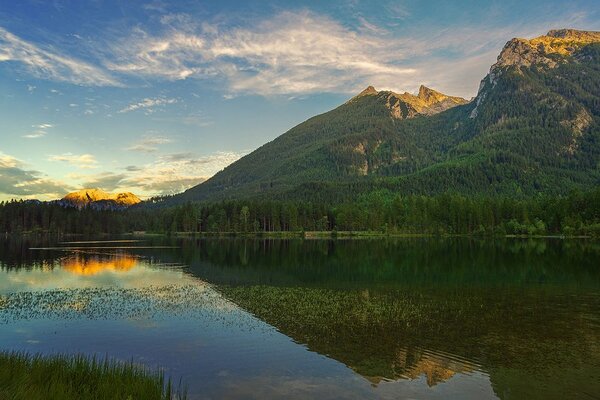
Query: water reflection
{"points": [[68, 268], [435, 367], [84, 264], [423, 318], [546, 338]]}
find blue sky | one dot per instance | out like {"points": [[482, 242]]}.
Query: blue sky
{"points": [[153, 97]]}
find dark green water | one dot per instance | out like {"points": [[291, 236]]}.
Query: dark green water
{"points": [[406, 318]]}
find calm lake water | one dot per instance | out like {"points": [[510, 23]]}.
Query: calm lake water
{"points": [[382, 319]]}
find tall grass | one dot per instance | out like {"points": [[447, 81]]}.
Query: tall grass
{"points": [[33, 377]]}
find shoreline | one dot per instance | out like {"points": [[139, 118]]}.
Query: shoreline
{"points": [[307, 235], [315, 235]]}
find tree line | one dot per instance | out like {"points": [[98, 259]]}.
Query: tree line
{"points": [[380, 211]]}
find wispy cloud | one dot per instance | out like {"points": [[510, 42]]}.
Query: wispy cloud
{"points": [[289, 53], [48, 64], [301, 52], [197, 119], [19, 181], [39, 131], [148, 104], [83, 161], [168, 174], [293, 52], [148, 144], [174, 173], [108, 181]]}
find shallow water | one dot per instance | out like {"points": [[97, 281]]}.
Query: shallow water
{"points": [[406, 318]]}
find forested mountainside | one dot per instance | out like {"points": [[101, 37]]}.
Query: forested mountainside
{"points": [[534, 127]]}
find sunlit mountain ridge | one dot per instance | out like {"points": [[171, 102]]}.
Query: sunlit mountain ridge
{"points": [[98, 198]]}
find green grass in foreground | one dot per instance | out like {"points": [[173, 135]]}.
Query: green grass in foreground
{"points": [[33, 377]]}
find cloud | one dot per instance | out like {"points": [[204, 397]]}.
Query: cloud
{"points": [[16, 180], [47, 64], [290, 53], [149, 144], [174, 173], [193, 119], [147, 104], [168, 174], [301, 52], [83, 161], [106, 181], [293, 52], [39, 131]]}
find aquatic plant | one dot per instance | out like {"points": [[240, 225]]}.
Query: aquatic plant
{"points": [[61, 377]]}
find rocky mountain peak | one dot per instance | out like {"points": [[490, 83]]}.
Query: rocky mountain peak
{"points": [[84, 197], [430, 96], [574, 34], [407, 105], [550, 50], [368, 91], [543, 50]]}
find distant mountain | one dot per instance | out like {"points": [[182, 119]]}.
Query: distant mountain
{"points": [[534, 127], [99, 199]]}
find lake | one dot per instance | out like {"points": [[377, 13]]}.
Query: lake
{"points": [[423, 318]]}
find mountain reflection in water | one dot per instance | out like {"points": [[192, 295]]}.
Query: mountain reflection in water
{"points": [[82, 264], [415, 318]]}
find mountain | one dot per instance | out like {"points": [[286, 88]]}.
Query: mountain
{"points": [[406, 105], [534, 127], [99, 199]]}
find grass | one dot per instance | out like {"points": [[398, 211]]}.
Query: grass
{"points": [[33, 377]]}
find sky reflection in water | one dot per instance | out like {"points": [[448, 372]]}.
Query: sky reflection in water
{"points": [[272, 319]]}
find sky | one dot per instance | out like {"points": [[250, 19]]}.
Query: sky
{"points": [[154, 97]]}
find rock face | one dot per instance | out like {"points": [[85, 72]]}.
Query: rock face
{"points": [[97, 198], [547, 50], [406, 105]]}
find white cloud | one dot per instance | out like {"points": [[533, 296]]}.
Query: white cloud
{"points": [[48, 64], [83, 161], [168, 174], [18, 181], [107, 181], [39, 131], [295, 53], [148, 104], [174, 173], [291, 53]]}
